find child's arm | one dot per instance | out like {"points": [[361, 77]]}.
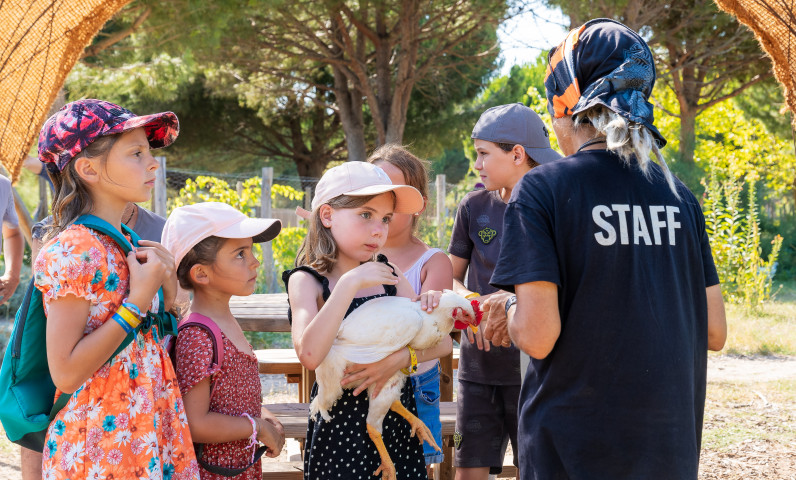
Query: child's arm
{"points": [[12, 254], [459, 269], [73, 358], [314, 330], [270, 433], [212, 427], [377, 374]]}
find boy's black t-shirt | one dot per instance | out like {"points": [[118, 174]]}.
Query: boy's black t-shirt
{"points": [[622, 393], [477, 234]]}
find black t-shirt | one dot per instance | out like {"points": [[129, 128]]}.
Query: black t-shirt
{"points": [[622, 393], [476, 237]]}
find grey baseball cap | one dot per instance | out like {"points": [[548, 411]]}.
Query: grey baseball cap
{"points": [[519, 125]]}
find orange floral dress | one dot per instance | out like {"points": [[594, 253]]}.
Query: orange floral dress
{"points": [[127, 420]]}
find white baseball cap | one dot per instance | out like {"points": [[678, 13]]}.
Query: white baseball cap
{"points": [[360, 179], [190, 224]]}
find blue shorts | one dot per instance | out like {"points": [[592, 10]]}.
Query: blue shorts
{"points": [[426, 387]]}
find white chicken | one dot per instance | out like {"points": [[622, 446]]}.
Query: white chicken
{"points": [[371, 332]]}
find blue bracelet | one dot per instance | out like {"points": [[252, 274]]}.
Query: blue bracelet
{"points": [[133, 308], [122, 323]]}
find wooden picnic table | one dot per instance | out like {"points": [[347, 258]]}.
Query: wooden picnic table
{"points": [[284, 361]]}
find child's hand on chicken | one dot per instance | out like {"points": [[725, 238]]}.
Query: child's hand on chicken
{"points": [[368, 275]]}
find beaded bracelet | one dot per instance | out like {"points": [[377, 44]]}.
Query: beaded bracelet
{"points": [[253, 438], [413, 359]]}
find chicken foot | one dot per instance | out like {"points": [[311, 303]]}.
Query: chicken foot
{"points": [[387, 468], [418, 427]]}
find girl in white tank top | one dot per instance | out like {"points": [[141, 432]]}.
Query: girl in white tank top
{"points": [[426, 269]]}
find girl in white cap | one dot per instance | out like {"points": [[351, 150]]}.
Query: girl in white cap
{"points": [[335, 274], [216, 367]]}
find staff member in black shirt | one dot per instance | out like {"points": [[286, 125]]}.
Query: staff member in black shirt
{"points": [[617, 296]]}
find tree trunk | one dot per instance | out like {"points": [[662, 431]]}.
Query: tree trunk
{"points": [[350, 106], [310, 170], [687, 133]]}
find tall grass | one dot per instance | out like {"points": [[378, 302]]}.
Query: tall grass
{"points": [[769, 329]]}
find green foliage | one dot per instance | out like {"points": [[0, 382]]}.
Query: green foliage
{"points": [[247, 200], [265, 340], [286, 246], [733, 145], [785, 226], [516, 86], [765, 102], [454, 164], [158, 78], [735, 239]]}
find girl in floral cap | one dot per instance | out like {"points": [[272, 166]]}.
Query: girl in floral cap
{"points": [[125, 418]]}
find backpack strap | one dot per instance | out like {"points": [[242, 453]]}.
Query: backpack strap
{"points": [[226, 471], [167, 324], [208, 325], [95, 223]]}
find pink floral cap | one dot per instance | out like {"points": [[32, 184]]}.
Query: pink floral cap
{"points": [[77, 124]]}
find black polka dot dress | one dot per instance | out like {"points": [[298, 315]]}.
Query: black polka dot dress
{"points": [[341, 448]]}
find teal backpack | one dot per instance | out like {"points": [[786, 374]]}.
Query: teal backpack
{"points": [[27, 391]]}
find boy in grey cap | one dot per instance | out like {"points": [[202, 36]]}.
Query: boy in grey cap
{"points": [[509, 141]]}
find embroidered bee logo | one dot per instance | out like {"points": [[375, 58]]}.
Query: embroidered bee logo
{"points": [[487, 234], [457, 440]]}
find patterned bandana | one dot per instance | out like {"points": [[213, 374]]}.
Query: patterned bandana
{"points": [[602, 63], [79, 123]]}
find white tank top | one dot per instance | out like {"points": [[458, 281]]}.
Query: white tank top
{"points": [[413, 275]]}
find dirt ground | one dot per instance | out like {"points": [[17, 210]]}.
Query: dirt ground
{"points": [[750, 424]]}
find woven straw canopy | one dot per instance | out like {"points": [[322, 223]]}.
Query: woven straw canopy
{"points": [[40, 41], [774, 25]]}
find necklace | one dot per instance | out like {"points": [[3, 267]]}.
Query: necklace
{"points": [[593, 141], [132, 212]]}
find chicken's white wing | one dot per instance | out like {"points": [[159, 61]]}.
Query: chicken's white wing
{"points": [[378, 328]]}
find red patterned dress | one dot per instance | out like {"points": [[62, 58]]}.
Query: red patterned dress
{"points": [[236, 391]]}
